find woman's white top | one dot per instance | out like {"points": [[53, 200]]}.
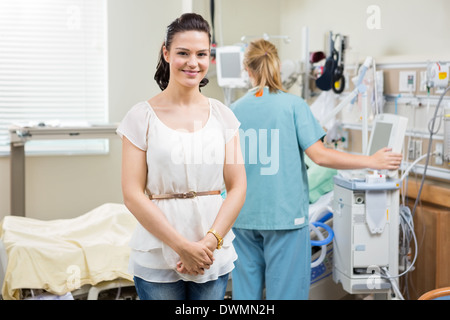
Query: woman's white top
{"points": [[179, 161]]}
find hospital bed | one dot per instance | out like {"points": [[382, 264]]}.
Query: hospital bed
{"points": [[321, 184], [88, 254], [66, 258], [322, 286], [84, 256]]}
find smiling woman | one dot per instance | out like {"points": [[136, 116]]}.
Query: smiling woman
{"points": [[178, 27], [188, 57], [175, 248]]}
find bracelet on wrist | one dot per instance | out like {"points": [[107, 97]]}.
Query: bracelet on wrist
{"points": [[218, 238]]}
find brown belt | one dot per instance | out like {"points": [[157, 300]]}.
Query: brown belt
{"points": [[186, 195]]}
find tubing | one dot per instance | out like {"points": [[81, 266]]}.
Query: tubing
{"points": [[324, 247], [326, 241]]}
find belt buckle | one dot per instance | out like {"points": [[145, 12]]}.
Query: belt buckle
{"points": [[190, 194]]}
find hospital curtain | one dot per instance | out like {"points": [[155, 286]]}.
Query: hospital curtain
{"points": [[53, 69]]}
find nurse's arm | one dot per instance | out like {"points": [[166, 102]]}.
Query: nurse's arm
{"points": [[383, 159]]}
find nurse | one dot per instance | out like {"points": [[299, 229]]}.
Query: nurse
{"points": [[272, 233]]}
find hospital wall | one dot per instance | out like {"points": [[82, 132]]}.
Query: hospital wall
{"points": [[67, 186], [400, 36], [399, 30]]}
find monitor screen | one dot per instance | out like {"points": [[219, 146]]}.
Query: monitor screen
{"points": [[230, 67], [388, 130], [381, 136], [231, 64]]}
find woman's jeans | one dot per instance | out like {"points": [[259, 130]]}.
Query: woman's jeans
{"points": [[181, 290]]}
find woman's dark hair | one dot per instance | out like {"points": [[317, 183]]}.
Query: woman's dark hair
{"points": [[187, 22]]}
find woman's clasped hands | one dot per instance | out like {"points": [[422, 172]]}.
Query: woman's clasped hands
{"points": [[196, 257]]}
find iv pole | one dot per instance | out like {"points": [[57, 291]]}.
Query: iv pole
{"points": [[360, 88]]}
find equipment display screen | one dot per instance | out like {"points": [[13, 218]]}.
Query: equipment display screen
{"points": [[231, 65], [381, 136]]}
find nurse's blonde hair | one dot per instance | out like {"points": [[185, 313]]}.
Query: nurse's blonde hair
{"points": [[261, 59]]}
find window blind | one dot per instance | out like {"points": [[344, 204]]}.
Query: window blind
{"points": [[53, 69]]}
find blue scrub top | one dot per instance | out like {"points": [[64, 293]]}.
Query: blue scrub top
{"points": [[276, 129]]}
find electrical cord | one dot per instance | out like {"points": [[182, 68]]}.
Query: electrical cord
{"points": [[405, 174], [393, 283], [411, 227], [432, 131]]}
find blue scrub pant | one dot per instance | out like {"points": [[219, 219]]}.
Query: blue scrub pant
{"points": [[277, 260]]}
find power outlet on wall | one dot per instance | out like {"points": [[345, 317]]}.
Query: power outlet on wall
{"points": [[414, 149]]}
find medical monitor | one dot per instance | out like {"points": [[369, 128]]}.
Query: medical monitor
{"points": [[388, 130], [230, 67]]}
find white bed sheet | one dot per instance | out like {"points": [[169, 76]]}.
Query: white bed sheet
{"points": [[322, 206], [60, 256]]}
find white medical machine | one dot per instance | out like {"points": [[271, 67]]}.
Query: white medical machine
{"points": [[230, 67], [366, 219]]}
